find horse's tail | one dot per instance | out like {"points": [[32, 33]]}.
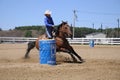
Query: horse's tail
{"points": [[31, 45]]}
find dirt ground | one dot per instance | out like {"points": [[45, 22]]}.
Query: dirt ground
{"points": [[101, 63]]}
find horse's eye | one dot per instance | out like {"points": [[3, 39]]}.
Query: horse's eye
{"points": [[65, 27]]}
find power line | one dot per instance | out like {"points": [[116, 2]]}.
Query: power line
{"points": [[100, 13]]}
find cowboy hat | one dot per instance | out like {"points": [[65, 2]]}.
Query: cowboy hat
{"points": [[47, 12]]}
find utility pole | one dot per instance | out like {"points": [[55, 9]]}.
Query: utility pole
{"points": [[93, 28], [93, 25], [118, 27], [74, 19], [106, 32], [101, 27]]}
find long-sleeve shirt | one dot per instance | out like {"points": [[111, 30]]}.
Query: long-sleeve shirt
{"points": [[48, 21]]}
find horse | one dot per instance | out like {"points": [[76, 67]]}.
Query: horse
{"points": [[62, 45]]}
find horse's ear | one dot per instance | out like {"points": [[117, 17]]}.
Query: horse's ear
{"points": [[62, 21], [66, 21]]}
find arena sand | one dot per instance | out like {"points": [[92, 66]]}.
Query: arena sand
{"points": [[101, 63]]}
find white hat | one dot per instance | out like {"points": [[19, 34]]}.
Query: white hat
{"points": [[47, 12]]}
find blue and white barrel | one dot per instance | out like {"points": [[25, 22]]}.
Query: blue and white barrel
{"points": [[47, 52], [91, 43]]}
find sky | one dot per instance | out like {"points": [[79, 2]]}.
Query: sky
{"points": [[15, 13]]}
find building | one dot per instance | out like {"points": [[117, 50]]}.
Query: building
{"points": [[96, 35]]}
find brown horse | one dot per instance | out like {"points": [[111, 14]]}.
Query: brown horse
{"points": [[62, 44]]}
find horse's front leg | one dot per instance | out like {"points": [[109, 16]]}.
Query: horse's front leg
{"points": [[73, 52]]}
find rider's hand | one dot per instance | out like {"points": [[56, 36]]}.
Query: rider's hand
{"points": [[53, 26]]}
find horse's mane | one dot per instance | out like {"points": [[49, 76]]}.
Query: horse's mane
{"points": [[59, 26]]}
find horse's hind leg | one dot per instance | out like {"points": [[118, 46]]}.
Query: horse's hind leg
{"points": [[31, 45]]}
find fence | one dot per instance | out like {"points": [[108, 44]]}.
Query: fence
{"points": [[72, 41]]}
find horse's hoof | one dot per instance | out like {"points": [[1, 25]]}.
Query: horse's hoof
{"points": [[26, 57], [75, 61], [82, 60]]}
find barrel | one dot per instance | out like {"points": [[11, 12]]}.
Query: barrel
{"points": [[47, 52], [91, 43]]}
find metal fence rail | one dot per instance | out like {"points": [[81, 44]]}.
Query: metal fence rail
{"points": [[83, 41]]}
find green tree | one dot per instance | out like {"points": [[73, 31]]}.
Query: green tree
{"points": [[28, 33], [82, 31]]}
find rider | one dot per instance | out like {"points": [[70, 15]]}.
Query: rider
{"points": [[49, 24]]}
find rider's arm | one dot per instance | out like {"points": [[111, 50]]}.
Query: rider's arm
{"points": [[47, 23]]}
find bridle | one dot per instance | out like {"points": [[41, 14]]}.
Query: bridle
{"points": [[57, 32]]}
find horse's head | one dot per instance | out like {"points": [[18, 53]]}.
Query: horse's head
{"points": [[64, 29]]}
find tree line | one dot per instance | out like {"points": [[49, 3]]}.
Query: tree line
{"points": [[78, 31], [28, 30], [110, 32]]}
